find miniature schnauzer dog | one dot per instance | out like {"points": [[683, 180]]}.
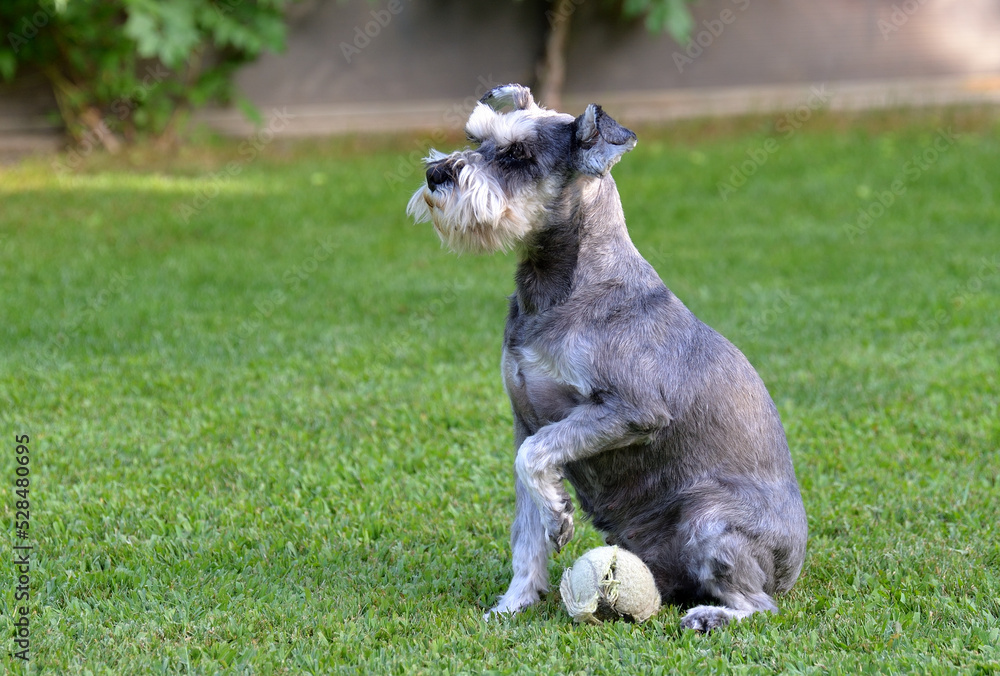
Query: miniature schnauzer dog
{"points": [[667, 434]]}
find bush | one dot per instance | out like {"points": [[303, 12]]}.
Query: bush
{"points": [[135, 68]]}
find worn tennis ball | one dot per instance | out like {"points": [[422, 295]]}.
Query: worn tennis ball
{"points": [[608, 583]]}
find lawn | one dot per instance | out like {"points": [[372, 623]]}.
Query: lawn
{"points": [[267, 432]]}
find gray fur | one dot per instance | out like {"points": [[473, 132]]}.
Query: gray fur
{"points": [[667, 434]]}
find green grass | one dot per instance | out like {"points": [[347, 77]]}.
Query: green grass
{"points": [[269, 435]]}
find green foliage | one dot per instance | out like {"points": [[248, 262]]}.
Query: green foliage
{"points": [[254, 455], [136, 67], [672, 16]]}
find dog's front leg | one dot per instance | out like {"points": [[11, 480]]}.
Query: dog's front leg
{"points": [[543, 522], [540, 473], [528, 543], [530, 548], [588, 429]]}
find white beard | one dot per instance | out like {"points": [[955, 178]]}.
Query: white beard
{"points": [[474, 215]]}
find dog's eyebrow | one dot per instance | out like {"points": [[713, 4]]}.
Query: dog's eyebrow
{"points": [[503, 128]]}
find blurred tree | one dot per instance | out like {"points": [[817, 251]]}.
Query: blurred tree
{"points": [[672, 16], [125, 69]]}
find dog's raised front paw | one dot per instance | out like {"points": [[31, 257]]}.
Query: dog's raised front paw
{"points": [[561, 530]]}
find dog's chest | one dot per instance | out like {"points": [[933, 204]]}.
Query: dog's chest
{"points": [[544, 385]]}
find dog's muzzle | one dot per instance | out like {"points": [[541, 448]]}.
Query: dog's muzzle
{"points": [[440, 173]]}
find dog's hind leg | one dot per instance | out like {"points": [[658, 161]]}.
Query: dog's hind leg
{"points": [[730, 571]]}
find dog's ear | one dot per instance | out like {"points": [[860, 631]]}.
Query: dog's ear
{"points": [[514, 95], [600, 141]]}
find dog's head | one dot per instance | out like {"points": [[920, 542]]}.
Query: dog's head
{"points": [[492, 196]]}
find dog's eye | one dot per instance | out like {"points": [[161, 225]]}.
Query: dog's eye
{"points": [[472, 139], [516, 152]]}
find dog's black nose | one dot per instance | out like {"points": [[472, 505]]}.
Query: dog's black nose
{"points": [[439, 173]]}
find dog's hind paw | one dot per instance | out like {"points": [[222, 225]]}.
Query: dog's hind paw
{"points": [[706, 618]]}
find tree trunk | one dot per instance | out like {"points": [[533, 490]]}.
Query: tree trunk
{"points": [[83, 121], [552, 70]]}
